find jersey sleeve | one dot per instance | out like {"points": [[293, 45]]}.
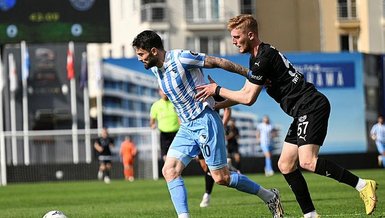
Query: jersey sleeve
{"points": [[191, 59], [373, 130], [153, 110]]}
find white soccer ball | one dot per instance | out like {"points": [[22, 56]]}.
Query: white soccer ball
{"points": [[54, 214]]}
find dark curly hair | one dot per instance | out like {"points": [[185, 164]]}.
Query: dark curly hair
{"points": [[148, 39]]}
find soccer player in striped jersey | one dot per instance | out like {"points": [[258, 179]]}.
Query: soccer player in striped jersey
{"points": [[308, 107], [265, 135], [377, 133], [179, 72]]}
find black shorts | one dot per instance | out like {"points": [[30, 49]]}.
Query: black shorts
{"points": [[105, 159], [165, 141], [232, 149], [310, 128]]}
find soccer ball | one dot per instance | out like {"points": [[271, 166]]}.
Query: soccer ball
{"points": [[54, 214]]}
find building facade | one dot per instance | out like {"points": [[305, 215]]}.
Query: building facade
{"points": [[289, 25], [353, 25], [198, 25]]}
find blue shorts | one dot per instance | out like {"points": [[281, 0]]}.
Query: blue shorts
{"points": [[203, 134], [380, 147], [266, 148]]}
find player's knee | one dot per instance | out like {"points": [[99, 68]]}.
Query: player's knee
{"points": [[308, 165], [285, 167], [169, 173]]}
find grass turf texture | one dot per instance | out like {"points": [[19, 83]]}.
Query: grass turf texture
{"points": [[148, 198]]}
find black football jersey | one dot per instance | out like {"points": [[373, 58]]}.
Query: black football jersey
{"points": [[282, 81], [105, 143]]}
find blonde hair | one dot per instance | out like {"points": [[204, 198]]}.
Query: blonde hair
{"points": [[245, 22]]}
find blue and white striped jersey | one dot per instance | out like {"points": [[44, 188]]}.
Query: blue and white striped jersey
{"points": [[265, 133], [178, 78], [379, 131]]}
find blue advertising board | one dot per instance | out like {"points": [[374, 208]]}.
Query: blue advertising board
{"points": [[337, 75]]}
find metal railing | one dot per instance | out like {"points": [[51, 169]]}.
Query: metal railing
{"points": [[57, 147]]}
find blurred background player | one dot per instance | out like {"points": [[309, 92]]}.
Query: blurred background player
{"points": [[103, 146], [378, 135], [164, 116], [232, 136], [128, 153], [209, 181], [265, 135]]}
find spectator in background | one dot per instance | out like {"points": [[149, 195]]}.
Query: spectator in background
{"points": [[265, 135], [103, 147], [233, 156], [163, 115], [378, 135], [128, 152]]}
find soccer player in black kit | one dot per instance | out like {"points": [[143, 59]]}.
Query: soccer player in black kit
{"points": [[102, 145], [299, 99]]}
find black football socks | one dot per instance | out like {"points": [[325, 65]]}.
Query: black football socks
{"points": [[299, 187], [332, 170], [209, 182]]}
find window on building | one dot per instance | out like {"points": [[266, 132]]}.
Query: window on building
{"points": [[144, 122], [112, 121], [131, 122], [112, 102], [347, 9], [248, 7], [154, 93], [204, 44], [137, 106], [130, 105], [202, 10], [108, 84], [348, 43], [153, 10]]}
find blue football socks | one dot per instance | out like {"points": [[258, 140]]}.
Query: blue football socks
{"points": [[242, 183], [268, 164], [383, 160], [178, 195]]}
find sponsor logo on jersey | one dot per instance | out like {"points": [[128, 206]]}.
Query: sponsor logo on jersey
{"points": [[202, 138], [255, 77], [194, 53], [257, 63], [302, 118]]}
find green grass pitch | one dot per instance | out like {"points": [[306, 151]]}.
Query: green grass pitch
{"points": [[148, 198]]}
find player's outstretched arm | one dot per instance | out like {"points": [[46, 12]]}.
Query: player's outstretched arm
{"points": [[223, 105], [216, 62], [247, 95]]}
